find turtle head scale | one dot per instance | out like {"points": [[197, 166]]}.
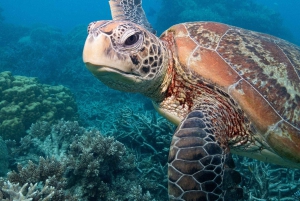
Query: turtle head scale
{"points": [[125, 56]]}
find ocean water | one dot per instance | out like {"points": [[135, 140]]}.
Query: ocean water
{"points": [[61, 127]]}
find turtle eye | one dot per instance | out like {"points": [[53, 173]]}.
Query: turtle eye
{"points": [[132, 39]]}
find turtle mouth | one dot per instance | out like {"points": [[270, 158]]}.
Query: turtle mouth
{"points": [[113, 76], [102, 70]]}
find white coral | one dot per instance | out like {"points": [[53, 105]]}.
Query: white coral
{"points": [[18, 193]]}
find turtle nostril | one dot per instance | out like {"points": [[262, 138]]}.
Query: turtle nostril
{"points": [[91, 27]]}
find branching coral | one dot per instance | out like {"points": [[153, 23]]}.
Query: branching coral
{"points": [[91, 166], [40, 129], [93, 160], [149, 136], [47, 169], [97, 167], [48, 172], [146, 131], [15, 192], [46, 140], [297, 195], [130, 190], [264, 181]]}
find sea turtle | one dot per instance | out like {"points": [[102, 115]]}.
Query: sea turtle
{"points": [[228, 89]]}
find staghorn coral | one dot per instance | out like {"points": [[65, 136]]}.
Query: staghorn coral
{"points": [[144, 130], [24, 101], [15, 192], [44, 139], [261, 181], [149, 136], [264, 181], [297, 195], [49, 172]]}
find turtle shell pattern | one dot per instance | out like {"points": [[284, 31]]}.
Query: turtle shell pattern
{"points": [[260, 72]]}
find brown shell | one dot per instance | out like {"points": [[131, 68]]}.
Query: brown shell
{"points": [[260, 72]]}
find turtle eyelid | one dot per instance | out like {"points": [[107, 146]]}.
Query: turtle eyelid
{"points": [[129, 33], [108, 32]]}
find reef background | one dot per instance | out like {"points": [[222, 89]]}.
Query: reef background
{"points": [[57, 121]]}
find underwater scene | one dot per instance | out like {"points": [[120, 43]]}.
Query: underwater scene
{"points": [[65, 135]]}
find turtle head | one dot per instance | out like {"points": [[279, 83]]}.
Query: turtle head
{"points": [[125, 56]]}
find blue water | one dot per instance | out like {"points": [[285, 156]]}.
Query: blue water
{"points": [[62, 14], [289, 13], [44, 40], [67, 14]]}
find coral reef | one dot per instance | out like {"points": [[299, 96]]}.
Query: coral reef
{"points": [[49, 171], [94, 161], [97, 167], [264, 181], [149, 136], [24, 101], [44, 139], [87, 163], [74, 160], [245, 14], [297, 195], [15, 192]]}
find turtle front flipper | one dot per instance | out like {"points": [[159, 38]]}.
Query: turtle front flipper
{"points": [[130, 10], [197, 162]]}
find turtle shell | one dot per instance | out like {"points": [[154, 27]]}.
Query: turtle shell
{"points": [[260, 72]]}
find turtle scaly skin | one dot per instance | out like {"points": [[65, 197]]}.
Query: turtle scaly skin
{"points": [[228, 89]]}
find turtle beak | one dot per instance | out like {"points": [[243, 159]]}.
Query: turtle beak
{"points": [[93, 53]]}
